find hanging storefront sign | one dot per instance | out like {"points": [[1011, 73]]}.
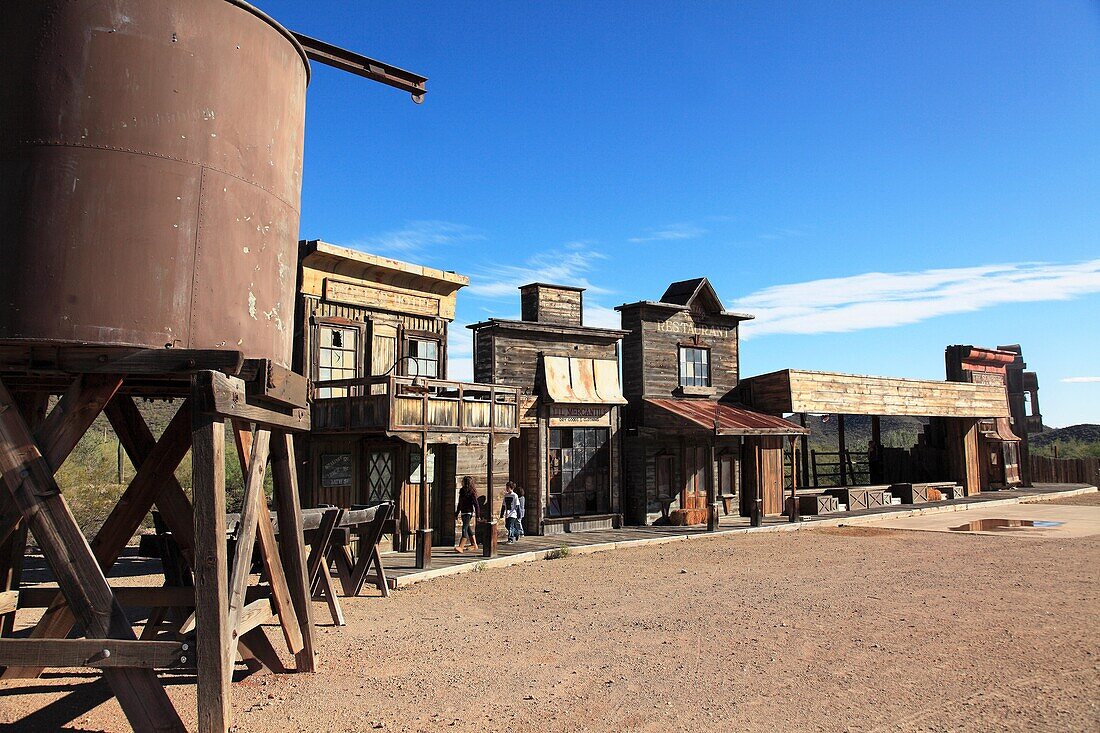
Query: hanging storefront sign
{"points": [[580, 415]]}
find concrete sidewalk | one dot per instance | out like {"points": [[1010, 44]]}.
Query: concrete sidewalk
{"points": [[445, 561]]}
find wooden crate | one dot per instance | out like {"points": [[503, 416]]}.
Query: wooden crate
{"points": [[910, 493], [860, 497], [812, 504]]}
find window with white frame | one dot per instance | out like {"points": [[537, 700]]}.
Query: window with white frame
{"points": [[694, 366], [337, 357], [423, 358]]}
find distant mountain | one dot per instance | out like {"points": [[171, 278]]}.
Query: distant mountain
{"points": [[897, 432], [1086, 435]]}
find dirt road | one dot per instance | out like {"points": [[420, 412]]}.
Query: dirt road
{"points": [[830, 630]]}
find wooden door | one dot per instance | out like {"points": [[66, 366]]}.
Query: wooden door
{"points": [[763, 471], [694, 494]]}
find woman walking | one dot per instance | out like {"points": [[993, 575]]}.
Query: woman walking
{"points": [[467, 510]]}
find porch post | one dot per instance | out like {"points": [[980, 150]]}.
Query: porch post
{"points": [[756, 510], [489, 543], [842, 445], [712, 489], [793, 515], [805, 444], [424, 531]]}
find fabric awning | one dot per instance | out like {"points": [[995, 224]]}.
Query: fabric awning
{"points": [[579, 381], [719, 418]]}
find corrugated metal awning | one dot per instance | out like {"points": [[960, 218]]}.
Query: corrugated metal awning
{"points": [[719, 418], [578, 381]]}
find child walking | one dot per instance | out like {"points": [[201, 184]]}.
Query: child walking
{"points": [[522, 512], [509, 511]]}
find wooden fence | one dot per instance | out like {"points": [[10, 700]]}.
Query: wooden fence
{"points": [[1046, 470]]}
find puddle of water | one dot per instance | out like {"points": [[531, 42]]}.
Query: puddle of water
{"points": [[992, 525]]}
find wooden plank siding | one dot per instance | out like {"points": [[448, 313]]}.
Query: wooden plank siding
{"points": [[515, 353], [651, 352], [551, 304], [799, 391]]}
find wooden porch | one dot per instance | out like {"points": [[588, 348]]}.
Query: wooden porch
{"points": [[396, 404]]}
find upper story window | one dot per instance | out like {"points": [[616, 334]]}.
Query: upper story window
{"points": [[694, 366], [337, 357], [423, 358]]}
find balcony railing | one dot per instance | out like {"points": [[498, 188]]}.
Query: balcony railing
{"points": [[409, 404]]}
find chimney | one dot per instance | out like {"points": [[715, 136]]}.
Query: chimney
{"points": [[542, 303]]}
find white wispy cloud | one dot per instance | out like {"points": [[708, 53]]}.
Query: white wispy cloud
{"points": [[881, 299], [1079, 380], [681, 230], [568, 265], [416, 236], [601, 316]]}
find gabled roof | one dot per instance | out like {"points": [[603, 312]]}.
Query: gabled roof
{"points": [[697, 291], [688, 294]]}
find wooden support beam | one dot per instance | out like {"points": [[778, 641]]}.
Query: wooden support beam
{"points": [[211, 582], [159, 596], [489, 543], [254, 503], [227, 396], [963, 455], [804, 441], [712, 488], [13, 532], [424, 530], [793, 514], [140, 445], [843, 447], [30, 481], [269, 551], [120, 360], [74, 413], [329, 589], [123, 521], [291, 544], [10, 517], [257, 613], [97, 653]]}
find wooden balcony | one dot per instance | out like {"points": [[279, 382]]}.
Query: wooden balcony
{"points": [[393, 404]]}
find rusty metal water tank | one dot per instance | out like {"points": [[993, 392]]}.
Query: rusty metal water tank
{"points": [[150, 174]]}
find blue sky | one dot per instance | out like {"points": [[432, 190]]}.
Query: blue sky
{"points": [[873, 180]]}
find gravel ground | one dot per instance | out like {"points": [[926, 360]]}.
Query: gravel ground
{"points": [[1090, 499], [859, 629]]}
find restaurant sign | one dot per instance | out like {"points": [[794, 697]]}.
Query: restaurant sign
{"points": [[580, 415]]}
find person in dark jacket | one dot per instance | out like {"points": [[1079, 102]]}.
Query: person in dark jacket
{"points": [[467, 509]]}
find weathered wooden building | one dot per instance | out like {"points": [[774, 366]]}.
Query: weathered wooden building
{"points": [[371, 335], [951, 441], [686, 442], [567, 453], [1003, 441]]}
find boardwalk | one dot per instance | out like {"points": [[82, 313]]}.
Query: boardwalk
{"points": [[402, 567]]}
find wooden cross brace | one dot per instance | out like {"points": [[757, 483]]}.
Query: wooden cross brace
{"points": [[28, 463], [225, 621]]}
